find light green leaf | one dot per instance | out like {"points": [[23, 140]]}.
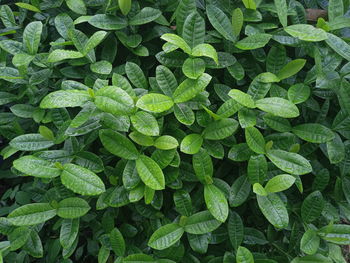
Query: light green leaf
{"points": [[114, 100], [237, 21], [282, 11], [201, 223], [118, 144], [335, 9], [28, 7], [135, 75], [259, 189], [150, 173], [312, 258], [30, 142], [306, 32], [61, 54], [313, 132], [145, 123], [291, 68], [244, 255], [154, 102], [292, 163], [274, 210], [72, 207], [166, 142], [193, 68], [240, 191], [191, 144], [249, 4], [177, 41], [190, 88], [34, 166], [81, 180], [220, 22], [125, 6], [255, 140], [107, 22], [166, 236], [279, 183], [310, 242], [184, 114], [299, 93], [31, 214], [339, 46], [278, 107], [253, 41], [220, 129], [337, 234], [216, 202], [65, 98], [146, 15], [205, 50], [31, 37], [242, 98], [336, 149], [77, 6]]}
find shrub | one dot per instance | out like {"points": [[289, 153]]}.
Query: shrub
{"points": [[174, 131]]}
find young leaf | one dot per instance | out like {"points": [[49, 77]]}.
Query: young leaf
{"points": [[107, 22], [31, 142], [166, 236], [191, 144], [237, 21], [220, 129], [146, 15], [31, 214], [117, 242], [244, 255], [60, 54], [337, 234], [310, 242], [203, 166], [306, 32], [339, 46], [145, 123], [31, 37], [65, 98], [193, 68], [249, 4], [242, 98], [291, 68], [34, 166], [279, 183], [177, 41], [194, 29], [255, 140], [299, 93], [282, 11], [155, 103], [254, 41], [278, 107], [205, 50]]}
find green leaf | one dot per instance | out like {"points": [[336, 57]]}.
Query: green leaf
{"points": [[282, 11], [177, 41], [313, 132], [335, 149], [125, 6], [244, 255], [145, 123], [205, 50], [184, 8], [257, 169], [240, 191], [339, 46], [277, 123], [253, 41], [107, 22], [237, 21], [255, 140], [166, 80], [278, 107], [201, 223], [291, 68], [216, 202], [298, 93], [69, 231], [30, 142], [138, 258], [193, 68], [203, 167], [274, 210], [65, 98], [101, 67], [72, 207], [220, 129], [183, 202], [31, 214], [194, 30], [31, 37], [306, 32], [259, 189], [312, 258], [114, 100], [135, 75], [150, 173], [310, 242], [184, 114], [242, 98], [166, 236], [190, 88], [191, 144], [292, 163], [220, 22], [60, 54], [337, 234], [34, 166], [118, 144], [249, 4], [117, 242], [279, 183], [28, 7], [312, 207], [33, 246], [235, 230], [146, 15], [166, 142], [81, 180], [335, 9], [155, 103], [77, 6]]}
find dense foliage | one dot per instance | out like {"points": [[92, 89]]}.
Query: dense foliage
{"points": [[175, 131]]}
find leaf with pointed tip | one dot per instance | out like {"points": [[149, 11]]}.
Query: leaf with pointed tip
{"points": [[201, 223], [216, 202], [150, 172], [154, 102], [166, 236], [31, 214], [72, 207]]}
